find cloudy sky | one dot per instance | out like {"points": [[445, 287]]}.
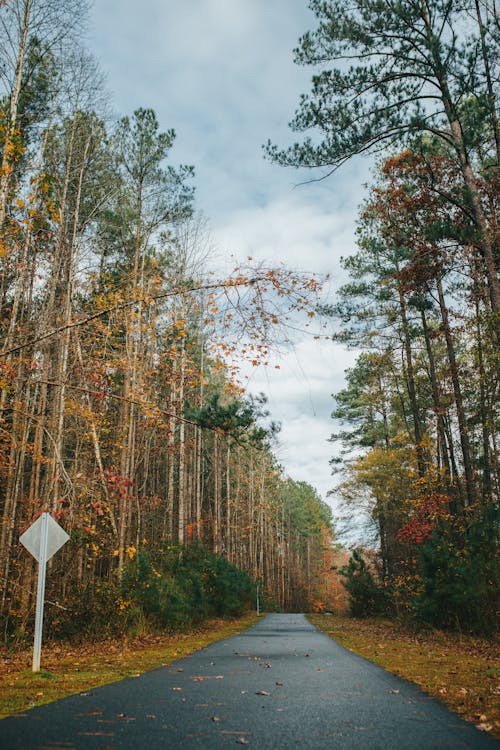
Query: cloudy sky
{"points": [[222, 75]]}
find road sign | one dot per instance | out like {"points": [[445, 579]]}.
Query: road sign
{"points": [[32, 537], [42, 540]]}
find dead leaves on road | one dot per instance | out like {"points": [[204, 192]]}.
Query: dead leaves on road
{"points": [[461, 670]]}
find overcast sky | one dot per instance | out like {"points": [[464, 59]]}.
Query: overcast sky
{"points": [[222, 75]]}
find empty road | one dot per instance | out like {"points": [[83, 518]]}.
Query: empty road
{"points": [[282, 684]]}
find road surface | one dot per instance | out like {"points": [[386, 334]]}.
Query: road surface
{"points": [[282, 684]]}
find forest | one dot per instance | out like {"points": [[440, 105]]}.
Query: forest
{"points": [[416, 84], [121, 411]]}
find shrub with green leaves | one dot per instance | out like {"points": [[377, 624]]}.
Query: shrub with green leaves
{"points": [[460, 573], [185, 585], [175, 588], [366, 596]]}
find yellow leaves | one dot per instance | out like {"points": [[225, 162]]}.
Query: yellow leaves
{"points": [[131, 552], [10, 149], [123, 604]]}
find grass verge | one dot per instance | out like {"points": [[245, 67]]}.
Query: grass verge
{"points": [[68, 669], [462, 671]]}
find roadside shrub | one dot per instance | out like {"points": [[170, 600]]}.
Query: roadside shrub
{"points": [[185, 585], [460, 573], [232, 588], [366, 596], [172, 589], [88, 610]]}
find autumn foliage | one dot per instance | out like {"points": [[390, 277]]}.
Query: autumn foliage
{"points": [[122, 409], [422, 399]]}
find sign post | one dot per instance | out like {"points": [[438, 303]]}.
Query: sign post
{"points": [[42, 540]]}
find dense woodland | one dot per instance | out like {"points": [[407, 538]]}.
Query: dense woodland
{"points": [[416, 83], [121, 411], [120, 408]]}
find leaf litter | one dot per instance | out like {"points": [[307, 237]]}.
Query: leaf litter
{"points": [[462, 671], [77, 668]]}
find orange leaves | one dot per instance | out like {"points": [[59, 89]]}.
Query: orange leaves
{"points": [[7, 374], [131, 552]]}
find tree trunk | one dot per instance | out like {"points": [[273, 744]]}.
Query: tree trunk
{"points": [[436, 400], [457, 391], [485, 419], [5, 170], [182, 454], [412, 391]]}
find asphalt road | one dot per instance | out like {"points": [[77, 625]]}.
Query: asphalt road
{"points": [[281, 684]]}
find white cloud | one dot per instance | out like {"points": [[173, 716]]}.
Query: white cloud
{"points": [[299, 396], [291, 229]]}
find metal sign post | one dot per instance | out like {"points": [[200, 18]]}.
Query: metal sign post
{"points": [[43, 539], [40, 593]]}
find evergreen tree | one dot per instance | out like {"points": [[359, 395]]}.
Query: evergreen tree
{"points": [[392, 71]]}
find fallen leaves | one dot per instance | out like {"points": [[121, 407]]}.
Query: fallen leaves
{"points": [[461, 671], [90, 713], [484, 727], [78, 669]]}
